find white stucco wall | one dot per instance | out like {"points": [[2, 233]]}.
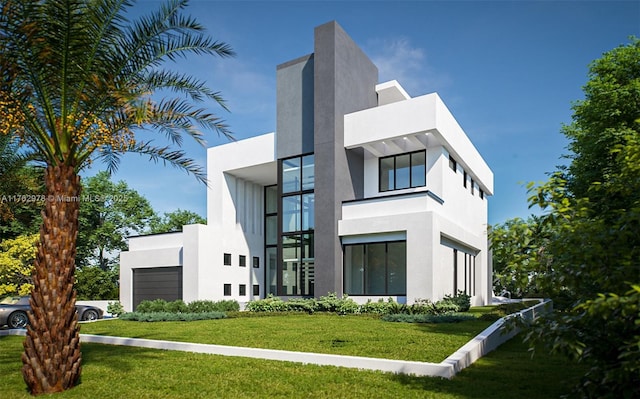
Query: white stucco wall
{"points": [[237, 172], [157, 250], [406, 125], [412, 119]]}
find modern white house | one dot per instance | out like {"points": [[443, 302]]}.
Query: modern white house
{"points": [[362, 190]]}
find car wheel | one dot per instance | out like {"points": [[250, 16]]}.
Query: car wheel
{"points": [[90, 314], [18, 320]]}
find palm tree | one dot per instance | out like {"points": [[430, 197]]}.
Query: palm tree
{"points": [[79, 80]]}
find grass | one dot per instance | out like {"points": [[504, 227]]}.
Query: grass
{"points": [[123, 372], [320, 333]]}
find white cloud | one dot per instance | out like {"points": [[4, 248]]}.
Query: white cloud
{"points": [[398, 59]]}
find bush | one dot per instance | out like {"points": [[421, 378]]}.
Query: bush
{"points": [[178, 306], [379, 307], [462, 300], [331, 303], [427, 318], [269, 304], [204, 306], [328, 303], [301, 305], [166, 316], [155, 306], [115, 308]]}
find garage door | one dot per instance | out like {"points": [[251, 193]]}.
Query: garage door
{"points": [[157, 283]]}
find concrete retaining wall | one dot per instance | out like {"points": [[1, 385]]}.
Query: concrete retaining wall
{"points": [[488, 340]]}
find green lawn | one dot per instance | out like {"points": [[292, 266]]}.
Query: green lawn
{"points": [[320, 333], [122, 372]]}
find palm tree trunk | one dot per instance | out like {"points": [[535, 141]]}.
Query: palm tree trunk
{"points": [[52, 358]]}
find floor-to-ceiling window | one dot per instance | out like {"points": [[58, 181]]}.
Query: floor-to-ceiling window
{"points": [[271, 239], [378, 268], [295, 271]]}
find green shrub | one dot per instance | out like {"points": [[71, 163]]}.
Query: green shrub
{"points": [[328, 303], [444, 307], [177, 306], [428, 318], [460, 299], [166, 316], [115, 308], [379, 307], [155, 306], [347, 306], [269, 304], [420, 306], [228, 305], [204, 306], [331, 303], [301, 305]]}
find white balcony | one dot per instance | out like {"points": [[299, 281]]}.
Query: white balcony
{"points": [[391, 205], [413, 124]]}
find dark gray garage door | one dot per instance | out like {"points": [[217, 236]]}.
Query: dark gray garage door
{"points": [[157, 283]]}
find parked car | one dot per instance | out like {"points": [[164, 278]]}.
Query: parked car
{"points": [[13, 312]]}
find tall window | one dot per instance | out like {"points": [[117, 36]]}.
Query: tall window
{"points": [[402, 171], [464, 272], [376, 268], [293, 274], [271, 238]]}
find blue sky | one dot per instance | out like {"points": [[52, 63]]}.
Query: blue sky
{"points": [[508, 71]]}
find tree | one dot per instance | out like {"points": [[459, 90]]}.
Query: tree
{"points": [[519, 260], [173, 221], [21, 191], [78, 82], [593, 209], [16, 264], [109, 213], [94, 283]]}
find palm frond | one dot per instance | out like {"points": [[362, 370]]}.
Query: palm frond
{"points": [[180, 83], [82, 60], [166, 155]]}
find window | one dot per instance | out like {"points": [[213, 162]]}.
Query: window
{"points": [[473, 189], [481, 194], [256, 262], [297, 265], [242, 261], [227, 259], [292, 271], [227, 290], [271, 239], [464, 177], [375, 268], [271, 270], [256, 290], [453, 164], [402, 171], [242, 289], [464, 272]]}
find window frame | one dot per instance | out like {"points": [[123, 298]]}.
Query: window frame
{"points": [[226, 289], [394, 170], [242, 260], [366, 270], [226, 259], [453, 165]]}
